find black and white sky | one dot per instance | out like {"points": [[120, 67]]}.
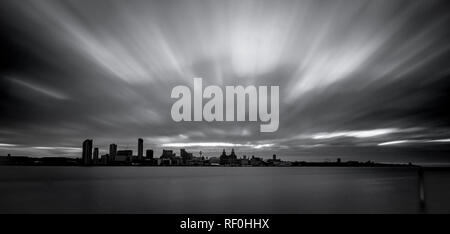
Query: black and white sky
{"points": [[356, 77]]}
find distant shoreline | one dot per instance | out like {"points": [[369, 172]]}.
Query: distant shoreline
{"points": [[47, 161], [77, 162]]}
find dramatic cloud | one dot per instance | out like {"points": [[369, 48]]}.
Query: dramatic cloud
{"points": [[215, 144], [413, 142], [352, 74]]}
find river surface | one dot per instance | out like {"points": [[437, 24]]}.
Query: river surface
{"points": [[220, 190]]}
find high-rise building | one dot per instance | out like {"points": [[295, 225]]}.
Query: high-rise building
{"points": [[112, 152], [149, 154], [140, 149], [95, 156], [87, 152]]}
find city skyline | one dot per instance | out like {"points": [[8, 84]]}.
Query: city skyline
{"points": [[91, 156], [363, 80]]}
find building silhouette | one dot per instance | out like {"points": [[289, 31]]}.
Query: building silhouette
{"points": [[185, 156], [112, 152], [149, 154], [228, 159], [124, 155], [96, 159], [168, 154], [104, 159], [87, 152], [233, 155], [140, 155], [168, 157]]}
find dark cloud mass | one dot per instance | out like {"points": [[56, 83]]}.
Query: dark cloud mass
{"points": [[363, 79]]}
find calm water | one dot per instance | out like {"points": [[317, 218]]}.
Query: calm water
{"points": [[219, 190]]}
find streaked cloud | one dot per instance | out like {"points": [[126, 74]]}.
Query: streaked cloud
{"points": [[399, 142], [395, 142], [357, 134], [66, 149], [40, 89], [216, 144]]}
